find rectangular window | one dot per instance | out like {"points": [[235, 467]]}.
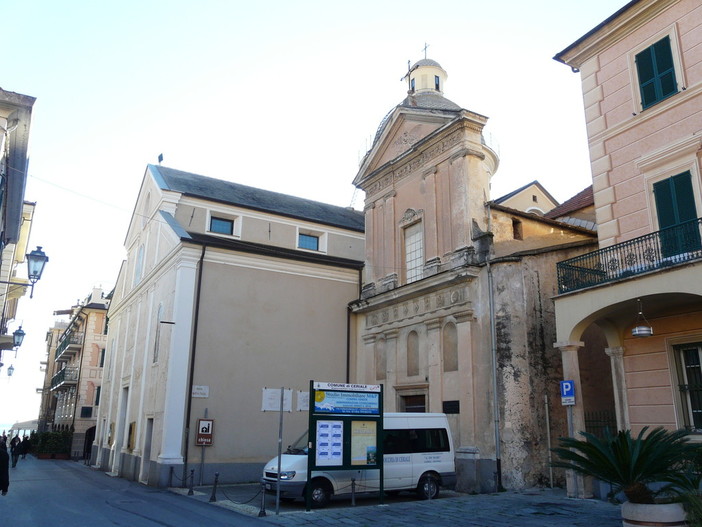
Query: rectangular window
{"points": [[415, 441], [97, 395], [437, 81], [309, 242], [414, 252], [656, 73], [86, 411], [102, 357], [677, 215], [413, 403], [221, 226], [690, 384]]}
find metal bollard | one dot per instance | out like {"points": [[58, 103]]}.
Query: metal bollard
{"points": [[353, 492], [192, 480], [214, 488], [262, 512]]}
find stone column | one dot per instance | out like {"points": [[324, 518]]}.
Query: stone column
{"points": [[434, 365], [365, 364], [465, 370], [390, 397], [577, 485], [171, 451], [390, 259], [621, 402]]}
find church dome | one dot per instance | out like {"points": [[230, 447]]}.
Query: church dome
{"points": [[425, 81]]}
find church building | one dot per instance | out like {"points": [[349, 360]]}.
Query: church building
{"points": [[455, 313]]}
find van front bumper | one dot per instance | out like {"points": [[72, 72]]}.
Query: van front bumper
{"points": [[288, 489]]}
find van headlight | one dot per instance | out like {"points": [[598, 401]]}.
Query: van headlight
{"points": [[289, 474]]}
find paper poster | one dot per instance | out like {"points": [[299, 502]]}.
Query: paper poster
{"points": [[330, 443]]}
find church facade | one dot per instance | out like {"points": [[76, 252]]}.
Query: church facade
{"points": [[455, 313]]}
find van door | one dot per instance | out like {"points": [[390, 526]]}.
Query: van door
{"points": [[398, 459], [432, 451]]}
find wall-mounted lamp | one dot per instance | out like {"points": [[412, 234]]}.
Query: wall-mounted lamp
{"points": [[18, 337], [10, 370], [36, 260], [642, 327]]}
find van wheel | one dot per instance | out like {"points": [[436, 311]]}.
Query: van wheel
{"points": [[428, 488], [321, 493]]}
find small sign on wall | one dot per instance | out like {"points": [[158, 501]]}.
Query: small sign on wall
{"points": [[201, 392], [205, 432]]}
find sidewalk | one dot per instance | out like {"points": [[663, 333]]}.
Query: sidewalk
{"points": [[531, 508]]}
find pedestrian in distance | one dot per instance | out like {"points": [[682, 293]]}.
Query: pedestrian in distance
{"points": [[26, 447], [15, 450], [4, 468]]}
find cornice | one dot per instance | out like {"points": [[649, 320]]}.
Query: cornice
{"points": [[604, 37], [640, 119]]}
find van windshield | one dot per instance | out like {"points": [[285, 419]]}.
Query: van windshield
{"points": [[299, 447]]}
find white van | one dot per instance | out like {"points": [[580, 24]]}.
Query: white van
{"points": [[418, 455]]}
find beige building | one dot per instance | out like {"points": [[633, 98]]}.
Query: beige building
{"points": [[15, 213], [227, 290], [47, 405], [455, 314], [76, 375], [634, 306]]}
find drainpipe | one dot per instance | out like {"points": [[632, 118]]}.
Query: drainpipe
{"points": [[193, 348], [493, 351], [348, 328]]}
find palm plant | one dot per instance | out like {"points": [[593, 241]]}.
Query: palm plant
{"points": [[629, 464]]}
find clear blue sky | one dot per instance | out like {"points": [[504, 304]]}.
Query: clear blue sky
{"points": [[277, 94]]}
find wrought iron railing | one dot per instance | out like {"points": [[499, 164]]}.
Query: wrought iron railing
{"points": [[658, 250], [596, 422], [68, 374], [69, 339]]}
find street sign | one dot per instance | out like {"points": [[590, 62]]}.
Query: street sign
{"points": [[205, 432], [567, 393]]}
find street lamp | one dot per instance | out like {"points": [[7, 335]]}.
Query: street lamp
{"points": [[18, 337], [36, 260], [10, 370]]}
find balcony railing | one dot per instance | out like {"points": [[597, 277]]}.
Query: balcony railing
{"points": [[651, 252], [71, 342], [67, 376]]}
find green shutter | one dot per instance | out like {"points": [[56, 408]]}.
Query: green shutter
{"points": [[675, 207], [656, 73]]}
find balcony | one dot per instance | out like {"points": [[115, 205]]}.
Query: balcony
{"points": [[652, 252], [65, 378], [69, 345]]}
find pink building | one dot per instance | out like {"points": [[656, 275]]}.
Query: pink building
{"points": [[634, 307]]}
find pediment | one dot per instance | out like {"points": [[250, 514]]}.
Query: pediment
{"points": [[403, 130]]}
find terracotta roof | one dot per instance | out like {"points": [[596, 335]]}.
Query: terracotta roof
{"points": [[582, 199]]}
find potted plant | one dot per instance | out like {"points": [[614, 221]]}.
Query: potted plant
{"points": [[631, 465]]}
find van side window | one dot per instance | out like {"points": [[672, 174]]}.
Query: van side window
{"points": [[415, 441]]}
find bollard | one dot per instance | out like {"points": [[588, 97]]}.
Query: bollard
{"points": [[214, 488], [353, 492], [192, 479], [262, 512]]}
